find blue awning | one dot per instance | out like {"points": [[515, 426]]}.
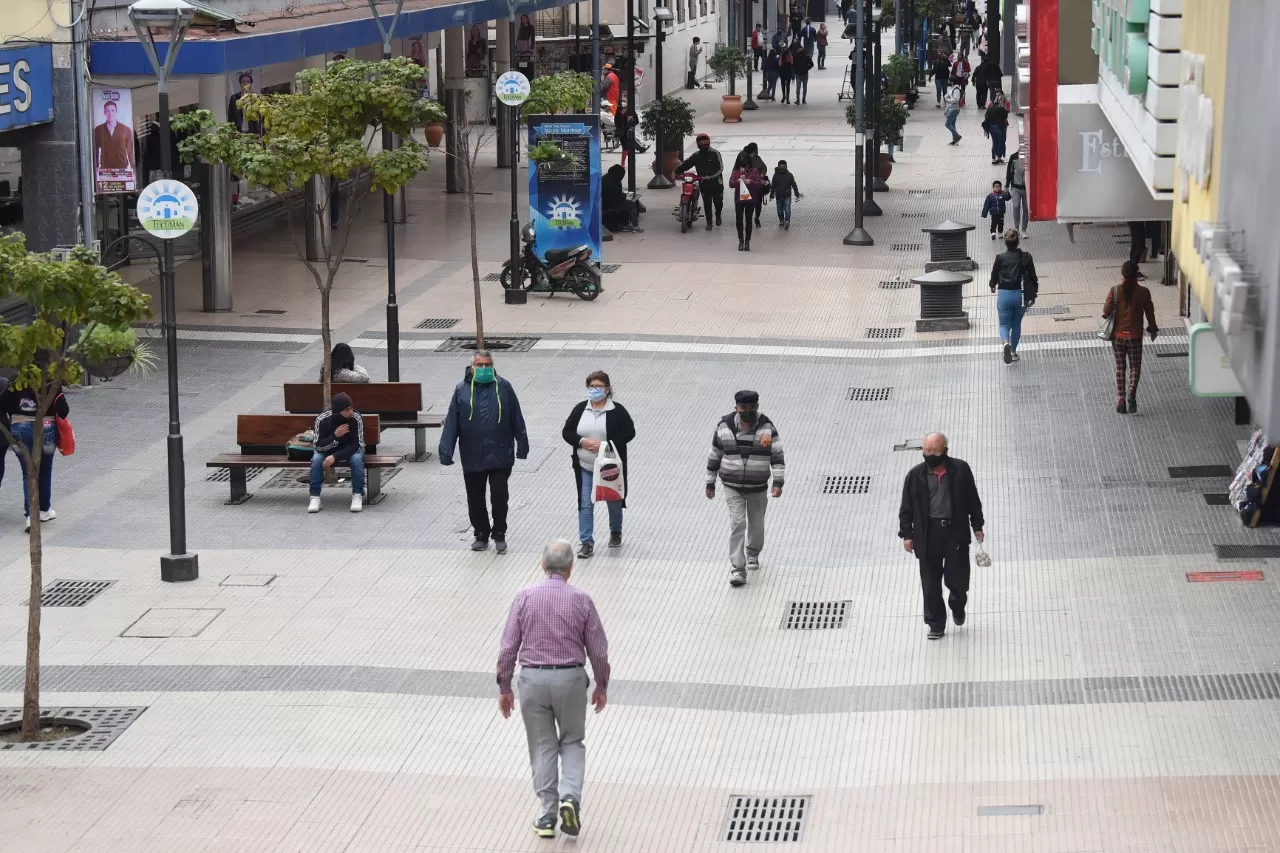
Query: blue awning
{"points": [[256, 49]]}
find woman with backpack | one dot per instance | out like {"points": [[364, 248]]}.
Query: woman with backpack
{"points": [[1126, 305], [38, 432]]}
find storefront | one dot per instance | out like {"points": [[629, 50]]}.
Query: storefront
{"points": [[26, 119]]}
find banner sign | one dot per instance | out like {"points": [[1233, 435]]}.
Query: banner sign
{"points": [[564, 201], [26, 85], [115, 166]]}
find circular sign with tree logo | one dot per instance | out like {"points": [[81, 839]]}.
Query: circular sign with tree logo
{"points": [[513, 88], [167, 209]]}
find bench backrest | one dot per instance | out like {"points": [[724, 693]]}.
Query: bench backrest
{"points": [[267, 435], [392, 400]]}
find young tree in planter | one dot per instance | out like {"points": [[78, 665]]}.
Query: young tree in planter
{"points": [[563, 92], [675, 116], [66, 294], [326, 129], [727, 63]]}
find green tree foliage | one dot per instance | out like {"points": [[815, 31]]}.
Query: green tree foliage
{"points": [[563, 92], [45, 355]]}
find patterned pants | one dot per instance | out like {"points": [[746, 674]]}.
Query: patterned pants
{"points": [[1130, 348]]}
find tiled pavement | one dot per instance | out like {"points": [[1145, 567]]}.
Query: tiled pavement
{"points": [[347, 705]]}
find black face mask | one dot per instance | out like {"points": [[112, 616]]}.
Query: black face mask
{"points": [[749, 418], [935, 461]]}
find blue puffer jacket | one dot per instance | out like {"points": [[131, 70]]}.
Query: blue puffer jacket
{"points": [[486, 424]]}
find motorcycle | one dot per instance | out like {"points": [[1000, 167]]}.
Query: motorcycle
{"points": [[565, 271], [609, 140], [689, 209]]}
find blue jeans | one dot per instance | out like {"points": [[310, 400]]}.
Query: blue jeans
{"points": [[357, 473], [952, 115], [587, 512], [784, 207], [1009, 309], [802, 86], [25, 433], [997, 141]]}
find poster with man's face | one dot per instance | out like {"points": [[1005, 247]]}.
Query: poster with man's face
{"points": [[115, 167]]}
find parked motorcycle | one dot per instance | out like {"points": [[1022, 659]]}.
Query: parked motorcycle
{"points": [[565, 271], [690, 208]]}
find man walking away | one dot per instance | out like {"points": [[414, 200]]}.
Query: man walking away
{"points": [[708, 165], [809, 37], [745, 451], [757, 47], [940, 504], [485, 423], [552, 629], [952, 102], [941, 75], [695, 50], [995, 205], [1014, 275], [339, 440], [784, 185], [772, 68], [1016, 180], [803, 66]]}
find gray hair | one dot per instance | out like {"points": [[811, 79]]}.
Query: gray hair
{"points": [[557, 557], [481, 353]]}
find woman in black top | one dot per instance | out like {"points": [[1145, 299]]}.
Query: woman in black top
{"points": [[20, 408], [591, 424]]}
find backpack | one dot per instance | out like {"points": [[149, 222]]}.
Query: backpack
{"points": [[301, 447]]}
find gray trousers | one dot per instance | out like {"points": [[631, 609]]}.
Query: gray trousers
{"points": [[553, 704], [746, 518], [1018, 212]]}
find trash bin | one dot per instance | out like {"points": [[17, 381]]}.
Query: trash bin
{"points": [[949, 246], [942, 301]]}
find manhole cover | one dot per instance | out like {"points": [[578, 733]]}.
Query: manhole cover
{"points": [[270, 311], [766, 819], [1047, 309], [1200, 471], [247, 580], [1175, 354], [464, 343], [896, 284], [907, 247], [223, 475], [814, 615], [869, 395], [437, 323], [840, 484], [1217, 499], [105, 725], [885, 332], [172, 622], [62, 593]]}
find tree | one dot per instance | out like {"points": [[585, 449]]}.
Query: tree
{"points": [[563, 92], [468, 141], [66, 294], [326, 129]]}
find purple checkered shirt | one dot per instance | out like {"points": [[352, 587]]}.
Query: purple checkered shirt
{"points": [[552, 623]]}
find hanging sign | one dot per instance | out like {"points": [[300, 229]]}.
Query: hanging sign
{"points": [[167, 209], [26, 85], [513, 88]]}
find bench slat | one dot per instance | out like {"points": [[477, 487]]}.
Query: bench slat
{"points": [[369, 397], [277, 430], [243, 460]]}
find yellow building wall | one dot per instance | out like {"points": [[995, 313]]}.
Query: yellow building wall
{"points": [[1204, 31], [33, 19]]}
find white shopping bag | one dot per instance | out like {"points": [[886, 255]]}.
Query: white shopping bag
{"points": [[744, 191], [982, 558], [607, 482]]}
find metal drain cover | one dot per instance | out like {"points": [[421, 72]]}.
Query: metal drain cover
{"points": [[464, 343], [1010, 811], [895, 285], [906, 247], [839, 484], [63, 593], [1201, 471], [223, 475], [869, 395], [766, 819], [1047, 309], [438, 323], [814, 615], [105, 725], [881, 333]]}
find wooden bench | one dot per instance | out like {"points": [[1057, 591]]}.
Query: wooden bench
{"points": [[262, 440], [398, 404]]}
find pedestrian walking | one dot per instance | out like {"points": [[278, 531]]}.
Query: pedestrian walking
{"points": [[952, 103], [1128, 302], [25, 424], [966, 38], [746, 451], [343, 367], [996, 125], [757, 47], [823, 36], [485, 423], [339, 440], [783, 187], [786, 71], [772, 70], [4, 427], [961, 70], [708, 164], [809, 37], [941, 76], [752, 150], [594, 425], [940, 504], [994, 204], [1013, 275], [695, 50], [1015, 176], [748, 190], [803, 65], [796, 19], [986, 79], [552, 630], [779, 39]]}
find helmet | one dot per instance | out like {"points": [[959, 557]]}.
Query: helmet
{"points": [[702, 139]]}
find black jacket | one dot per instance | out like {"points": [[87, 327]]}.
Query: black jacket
{"points": [[966, 506], [784, 183], [707, 164], [617, 425], [341, 448], [1015, 269]]}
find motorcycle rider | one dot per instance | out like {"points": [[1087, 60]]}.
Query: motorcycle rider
{"points": [[709, 166]]}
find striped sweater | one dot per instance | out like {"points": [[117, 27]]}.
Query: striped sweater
{"points": [[744, 459]]}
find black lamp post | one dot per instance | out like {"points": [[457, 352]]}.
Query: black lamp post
{"points": [[748, 103], [869, 206], [513, 115], [175, 16], [859, 236], [661, 18], [631, 96]]}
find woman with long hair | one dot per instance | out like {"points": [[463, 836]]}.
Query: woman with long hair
{"points": [[748, 187], [1129, 302], [343, 367]]}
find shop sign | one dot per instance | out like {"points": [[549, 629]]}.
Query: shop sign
{"points": [[1096, 179], [1210, 366], [26, 85]]}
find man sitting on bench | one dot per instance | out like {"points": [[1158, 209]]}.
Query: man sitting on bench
{"points": [[339, 439]]}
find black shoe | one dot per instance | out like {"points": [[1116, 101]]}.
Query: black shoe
{"points": [[500, 544], [1120, 407], [741, 245], [746, 247], [586, 550], [1133, 404], [718, 220], [757, 223], [708, 224], [569, 823], [958, 618], [545, 827], [479, 544], [1008, 350], [936, 633], [615, 539]]}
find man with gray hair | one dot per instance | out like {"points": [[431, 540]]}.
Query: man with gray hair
{"points": [[551, 629], [939, 504]]}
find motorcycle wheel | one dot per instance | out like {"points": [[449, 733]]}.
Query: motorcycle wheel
{"points": [[583, 283], [526, 277], [684, 216]]}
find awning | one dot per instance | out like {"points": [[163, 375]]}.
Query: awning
{"points": [[294, 38]]}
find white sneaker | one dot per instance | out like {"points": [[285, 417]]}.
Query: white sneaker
{"points": [[1026, 236], [1016, 357], [26, 527], [314, 505], [49, 516], [357, 503]]}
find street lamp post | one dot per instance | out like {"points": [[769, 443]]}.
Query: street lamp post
{"points": [[859, 236], [747, 11], [147, 16], [624, 130], [513, 115], [661, 18]]}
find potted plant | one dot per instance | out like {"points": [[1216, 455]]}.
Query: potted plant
{"points": [[726, 64], [893, 118], [108, 352], [675, 117], [900, 71], [434, 131]]}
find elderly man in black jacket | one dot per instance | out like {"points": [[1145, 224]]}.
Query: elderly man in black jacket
{"points": [[939, 504]]}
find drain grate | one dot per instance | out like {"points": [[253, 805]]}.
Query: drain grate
{"points": [[766, 819], [105, 725], [896, 284], [907, 247], [608, 268], [814, 615], [62, 593], [223, 475], [919, 192], [1201, 471], [913, 215], [1217, 499], [885, 332], [291, 479], [841, 484], [1047, 309], [438, 323], [493, 276], [464, 343], [1175, 354], [869, 395], [1246, 552], [270, 311], [1010, 811]]}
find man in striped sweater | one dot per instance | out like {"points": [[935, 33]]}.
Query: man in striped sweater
{"points": [[746, 451]]}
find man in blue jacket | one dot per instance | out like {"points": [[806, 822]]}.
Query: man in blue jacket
{"points": [[485, 422]]}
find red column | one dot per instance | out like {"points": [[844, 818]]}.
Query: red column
{"points": [[1043, 131]]}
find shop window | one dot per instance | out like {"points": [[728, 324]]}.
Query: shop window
{"points": [[693, 10], [702, 8], [679, 12]]}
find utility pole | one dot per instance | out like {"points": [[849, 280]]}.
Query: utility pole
{"points": [[869, 206], [84, 122], [859, 236]]}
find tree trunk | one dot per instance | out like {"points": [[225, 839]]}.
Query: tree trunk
{"points": [[31, 688], [475, 259], [326, 337]]}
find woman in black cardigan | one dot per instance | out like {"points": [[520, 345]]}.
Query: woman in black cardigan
{"points": [[594, 421]]}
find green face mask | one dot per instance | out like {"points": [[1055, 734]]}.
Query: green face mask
{"points": [[483, 375]]}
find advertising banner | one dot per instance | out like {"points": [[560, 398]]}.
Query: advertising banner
{"points": [[26, 85], [477, 60], [564, 201], [115, 167]]}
